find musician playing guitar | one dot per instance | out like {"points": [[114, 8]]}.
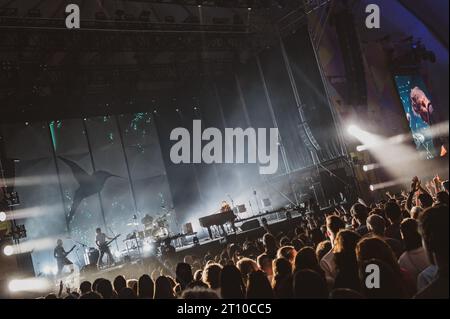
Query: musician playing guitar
{"points": [[60, 255], [103, 246]]}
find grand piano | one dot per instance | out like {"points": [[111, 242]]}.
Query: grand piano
{"points": [[219, 219]]}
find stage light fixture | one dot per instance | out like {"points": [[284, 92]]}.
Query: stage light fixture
{"points": [[2, 216], [372, 188], [365, 168], [8, 250]]}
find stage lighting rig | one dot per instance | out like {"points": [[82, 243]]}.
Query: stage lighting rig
{"points": [[12, 198], [19, 232]]}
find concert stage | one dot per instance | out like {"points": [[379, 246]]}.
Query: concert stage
{"points": [[136, 267]]}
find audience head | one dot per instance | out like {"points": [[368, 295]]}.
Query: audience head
{"points": [[258, 286], [416, 211], [409, 229], [308, 284], [376, 225], [126, 293], [85, 287], [211, 275], [281, 268], [334, 225], [360, 213], [119, 283], [246, 266], [133, 284], [105, 289], [376, 248], [434, 225], [231, 284], [199, 293], [270, 243], [442, 198], [306, 259], [145, 287], [163, 288], [425, 200], [322, 249], [183, 274], [287, 252], [265, 264], [91, 295], [393, 212]]}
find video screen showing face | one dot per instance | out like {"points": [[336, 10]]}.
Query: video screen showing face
{"points": [[418, 107]]}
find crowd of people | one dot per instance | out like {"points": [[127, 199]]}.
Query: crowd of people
{"points": [[404, 236]]}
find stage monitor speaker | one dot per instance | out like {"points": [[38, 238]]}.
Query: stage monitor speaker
{"points": [[251, 224]]}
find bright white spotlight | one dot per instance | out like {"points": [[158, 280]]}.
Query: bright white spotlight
{"points": [[365, 168], [47, 270], [372, 188], [147, 247], [30, 284], [2, 216], [353, 130], [8, 250]]}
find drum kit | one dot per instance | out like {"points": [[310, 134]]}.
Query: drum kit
{"points": [[153, 230]]}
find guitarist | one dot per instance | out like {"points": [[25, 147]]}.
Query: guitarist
{"points": [[103, 246], [60, 255]]}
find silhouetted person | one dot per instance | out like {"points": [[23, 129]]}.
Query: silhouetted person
{"points": [[231, 284], [394, 216], [308, 284], [199, 293], [183, 275], [105, 289], [258, 286], [270, 245], [282, 278], [415, 258], [360, 213], [376, 248], [390, 286], [146, 287], [211, 275], [126, 293], [345, 259], [163, 288], [377, 226], [306, 259], [119, 283], [434, 226], [85, 287], [334, 225]]}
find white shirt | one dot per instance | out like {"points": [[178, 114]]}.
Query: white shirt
{"points": [[414, 261], [426, 277], [100, 238], [329, 267]]}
